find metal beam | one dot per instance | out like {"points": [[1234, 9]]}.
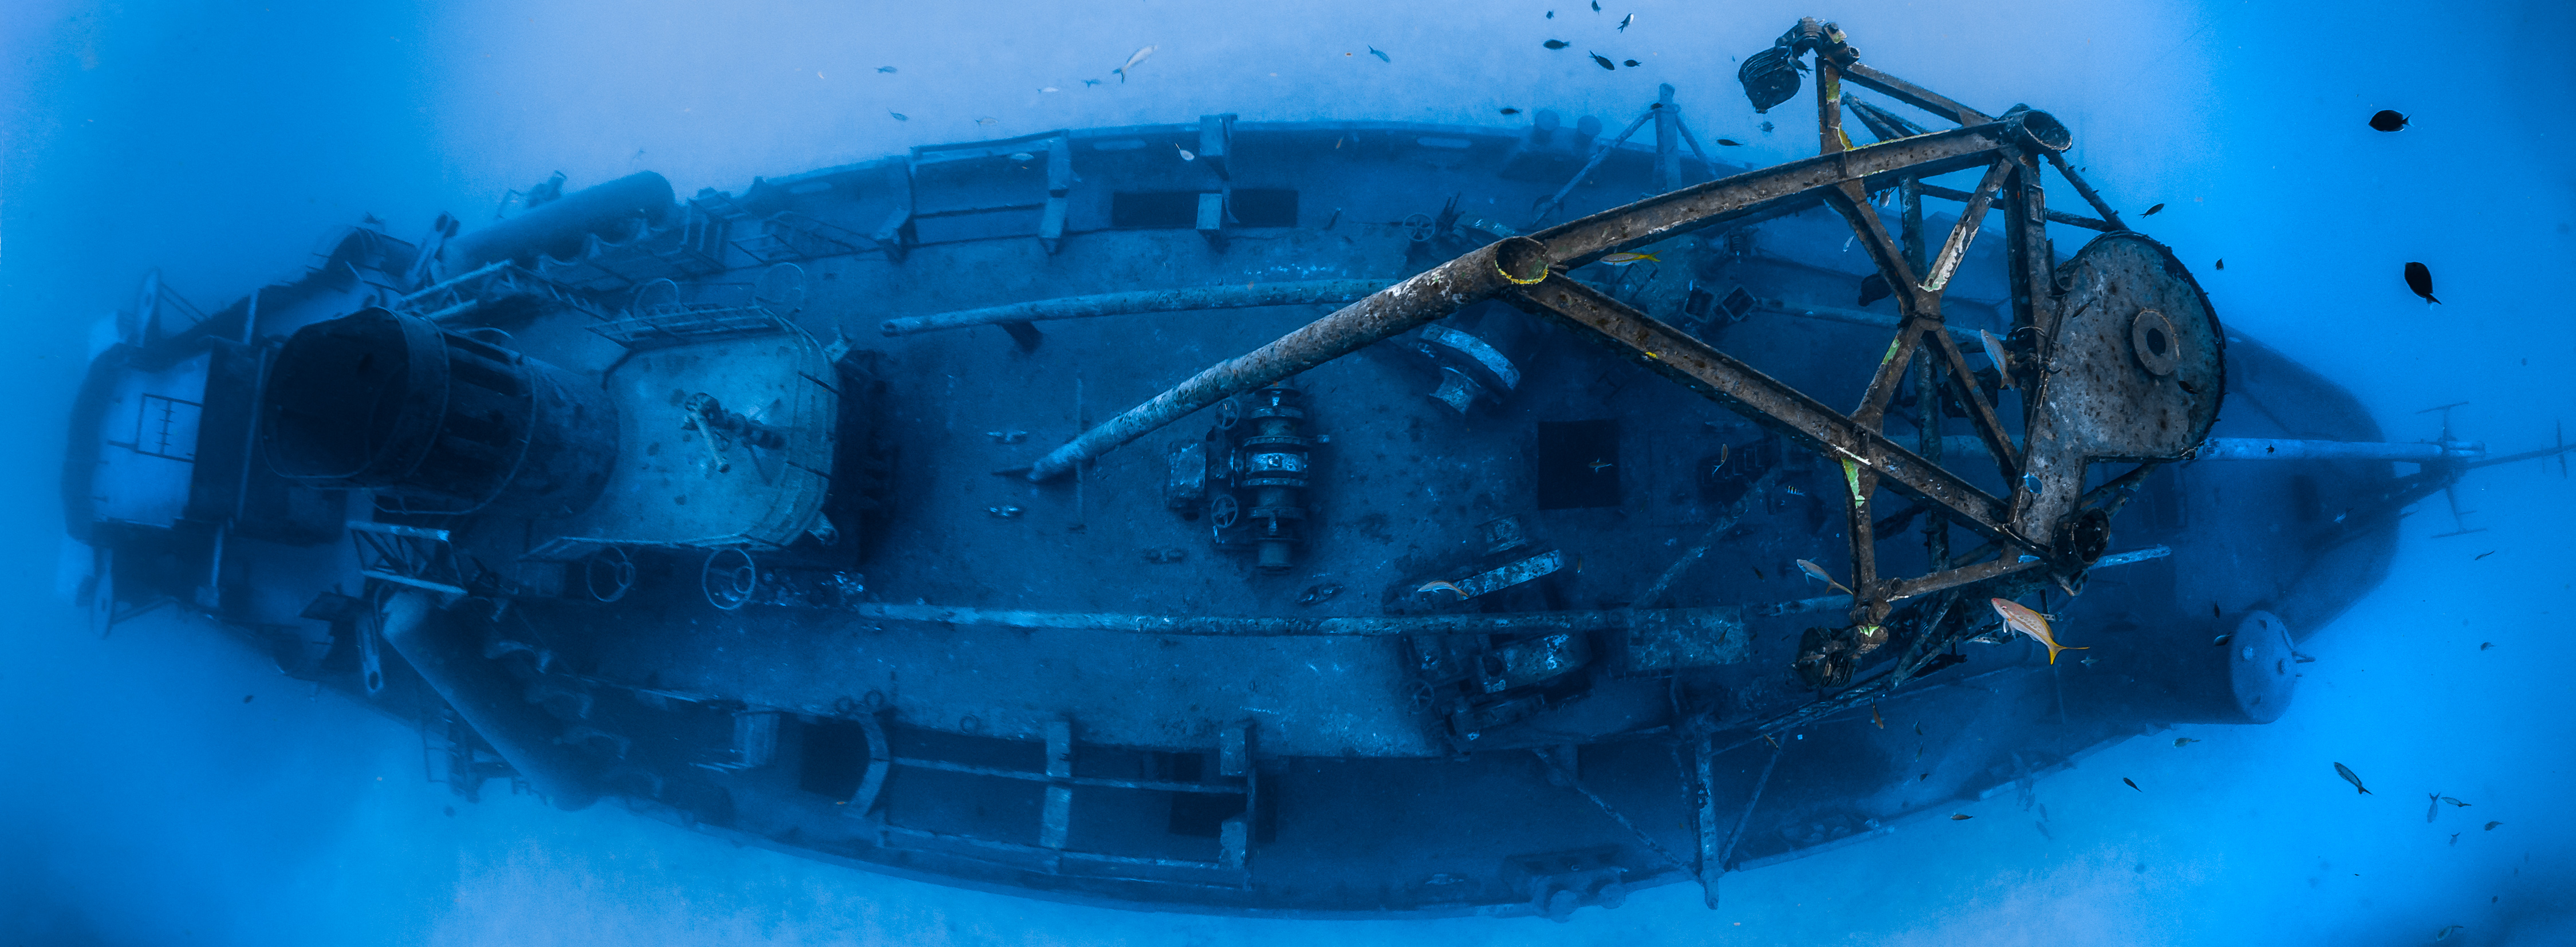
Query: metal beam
{"points": [[1779, 190], [1191, 299], [1740, 388], [1914, 95], [2054, 217], [1287, 626], [1429, 295]]}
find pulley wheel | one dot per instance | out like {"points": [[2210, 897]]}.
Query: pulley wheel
{"points": [[781, 287], [654, 295], [729, 579], [608, 574]]}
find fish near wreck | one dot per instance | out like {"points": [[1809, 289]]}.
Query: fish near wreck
{"points": [[2020, 618]]}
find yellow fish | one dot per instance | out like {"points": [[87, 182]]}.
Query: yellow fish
{"points": [[1440, 584], [2020, 618], [1623, 259]]}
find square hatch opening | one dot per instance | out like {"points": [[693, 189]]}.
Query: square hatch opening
{"points": [[1578, 464]]}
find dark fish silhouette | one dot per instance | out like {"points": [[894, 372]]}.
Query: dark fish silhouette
{"points": [[1630, 63], [2152, 211], [1960, 818], [1625, 20], [2222, 263], [2491, 826], [1511, 111], [1596, 6], [1731, 143], [2420, 279], [2133, 784], [2388, 120], [1551, 14], [1602, 61], [2482, 555], [2350, 777], [1380, 54], [1874, 288], [246, 697], [1556, 44], [2432, 806], [899, 116]]}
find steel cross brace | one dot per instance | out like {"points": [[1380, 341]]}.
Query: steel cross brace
{"points": [[1696, 365]]}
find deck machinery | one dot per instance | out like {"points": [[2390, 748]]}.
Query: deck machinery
{"points": [[1474, 564]]}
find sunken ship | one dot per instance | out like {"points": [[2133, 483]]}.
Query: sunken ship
{"points": [[1320, 519]]}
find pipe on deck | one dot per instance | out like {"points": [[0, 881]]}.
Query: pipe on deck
{"points": [[450, 658], [559, 228], [1427, 296], [1965, 337], [2264, 448], [1287, 626], [1836, 603], [1161, 300]]}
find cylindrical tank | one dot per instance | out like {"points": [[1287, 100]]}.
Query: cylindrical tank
{"points": [[558, 228], [439, 421]]}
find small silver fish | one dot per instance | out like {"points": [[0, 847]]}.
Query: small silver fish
{"points": [[1004, 512], [1132, 61], [1186, 155], [1818, 572], [2350, 777], [1023, 156], [2432, 806], [1995, 353], [1437, 584]]}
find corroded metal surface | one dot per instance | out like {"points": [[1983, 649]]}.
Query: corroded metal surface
{"points": [[1434, 293], [2129, 310]]}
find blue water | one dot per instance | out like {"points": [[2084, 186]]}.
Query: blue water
{"points": [[142, 802]]}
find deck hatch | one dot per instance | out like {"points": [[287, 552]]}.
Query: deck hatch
{"points": [[1578, 464]]}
